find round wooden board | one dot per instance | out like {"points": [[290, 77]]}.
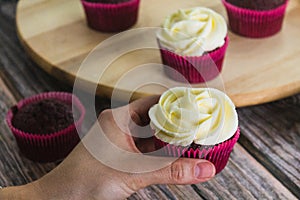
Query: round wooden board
{"points": [[255, 71]]}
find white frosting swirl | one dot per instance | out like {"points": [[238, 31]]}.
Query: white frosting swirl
{"points": [[191, 32], [204, 116]]}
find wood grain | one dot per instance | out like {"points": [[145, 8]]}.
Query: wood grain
{"points": [[271, 133], [264, 166], [55, 34], [243, 178]]}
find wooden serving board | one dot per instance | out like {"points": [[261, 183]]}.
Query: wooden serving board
{"points": [[255, 71]]}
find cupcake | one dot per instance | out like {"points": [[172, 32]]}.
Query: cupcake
{"points": [[111, 15], [45, 126], [192, 44], [195, 123], [255, 18]]}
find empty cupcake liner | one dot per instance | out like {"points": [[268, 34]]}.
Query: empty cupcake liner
{"points": [[53, 146], [254, 23], [217, 154], [111, 17], [193, 69]]}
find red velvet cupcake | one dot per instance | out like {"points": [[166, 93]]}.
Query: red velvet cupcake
{"points": [[46, 126], [111, 15], [255, 18], [197, 123], [193, 44]]}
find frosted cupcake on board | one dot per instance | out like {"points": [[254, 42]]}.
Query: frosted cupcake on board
{"points": [[255, 18], [111, 15], [195, 123], [193, 43]]}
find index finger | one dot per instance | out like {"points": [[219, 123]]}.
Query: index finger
{"points": [[139, 108]]}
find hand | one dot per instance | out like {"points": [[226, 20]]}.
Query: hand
{"points": [[106, 168]]}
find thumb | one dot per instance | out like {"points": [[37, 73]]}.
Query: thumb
{"points": [[182, 171]]}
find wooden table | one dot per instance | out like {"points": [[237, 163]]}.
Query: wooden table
{"points": [[265, 164]]}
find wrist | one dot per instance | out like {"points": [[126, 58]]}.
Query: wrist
{"points": [[59, 184], [19, 192]]}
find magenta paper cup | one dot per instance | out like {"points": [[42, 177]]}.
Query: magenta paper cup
{"points": [[255, 23], [48, 147], [194, 69], [217, 154], [108, 17]]}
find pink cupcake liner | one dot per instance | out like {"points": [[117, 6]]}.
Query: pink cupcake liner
{"points": [[194, 69], [217, 154], [253, 23], [53, 146], [111, 17]]}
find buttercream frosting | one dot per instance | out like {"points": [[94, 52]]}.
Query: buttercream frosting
{"points": [[204, 116], [191, 32]]}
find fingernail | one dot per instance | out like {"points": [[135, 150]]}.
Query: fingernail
{"points": [[204, 170]]}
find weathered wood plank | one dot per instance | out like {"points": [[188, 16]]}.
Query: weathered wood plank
{"points": [[244, 179], [271, 133]]}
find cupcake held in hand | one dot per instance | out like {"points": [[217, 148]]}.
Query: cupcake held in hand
{"points": [[255, 18], [111, 15], [193, 43], [195, 123], [45, 126]]}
